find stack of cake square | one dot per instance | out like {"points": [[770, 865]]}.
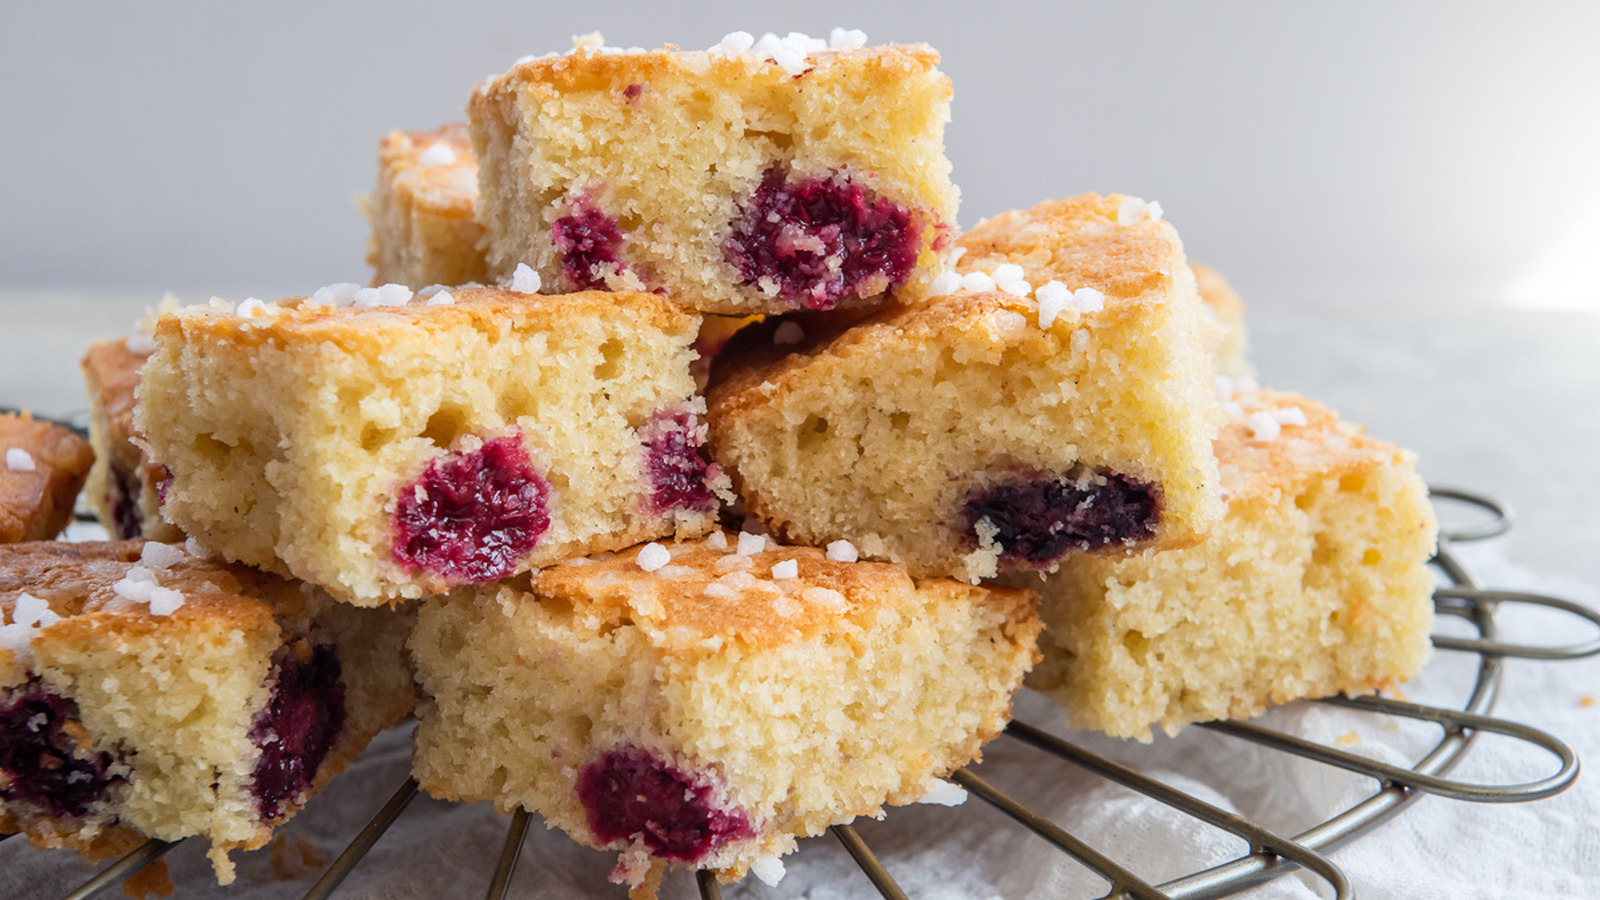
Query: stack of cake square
{"points": [[924, 427]]}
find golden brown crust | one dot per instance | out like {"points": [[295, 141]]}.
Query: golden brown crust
{"points": [[37, 505], [445, 189], [1218, 294], [361, 329], [76, 580], [882, 67], [112, 370], [123, 482], [1324, 447], [754, 608], [42, 832], [1085, 241]]}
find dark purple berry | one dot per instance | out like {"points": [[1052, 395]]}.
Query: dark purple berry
{"points": [[678, 473], [298, 726], [822, 240], [631, 793], [588, 241], [122, 495], [472, 516], [1039, 520], [41, 760]]}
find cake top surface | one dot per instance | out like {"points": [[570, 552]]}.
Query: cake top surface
{"points": [[127, 579], [112, 370], [745, 588], [1218, 293], [32, 451], [437, 167], [351, 314], [1276, 441], [1116, 245], [739, 59], [763, 357], [29, 445]]}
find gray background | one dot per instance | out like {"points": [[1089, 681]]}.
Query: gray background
{"points": [[1315, 152], [1406, 195]]}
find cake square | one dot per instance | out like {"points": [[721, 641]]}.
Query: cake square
{"points": [[145, 693], [394, 451], [1316, 583], [705, 703], [124, 487], [423, 228], [42, 468], [984, 431], [757, 177]]}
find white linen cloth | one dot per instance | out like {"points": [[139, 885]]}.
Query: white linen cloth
{"points": [[1444, 849]]}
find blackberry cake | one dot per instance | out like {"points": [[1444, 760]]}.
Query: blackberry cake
{"points": [[756, 177], [423, 228], [124, 487], [705, 703], [1316, 583], [43, 468], [388, 451], [986, 431], [148, 693]]}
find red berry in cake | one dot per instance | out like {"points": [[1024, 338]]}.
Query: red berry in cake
{"points": [[472, 515], [42, 761], [630, 793], [588, 241], [298, 726], [822, 240], [1039, 520], [678, 471]]}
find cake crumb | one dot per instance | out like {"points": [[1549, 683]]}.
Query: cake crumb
{"points": [[1349, 737], [306, 857], [152, 880], [1586, 701]]}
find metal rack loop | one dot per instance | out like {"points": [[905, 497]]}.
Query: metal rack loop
{"points": [[509, 854], [1266, 847], [1454, 722], [1458, 601], [1269, 856], [123, 869], [1500, 523], [707, 881], [868, 861], [336, 873], [1122, 880]]}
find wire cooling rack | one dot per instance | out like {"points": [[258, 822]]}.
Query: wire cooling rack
{"points": [[1270, 855]]}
